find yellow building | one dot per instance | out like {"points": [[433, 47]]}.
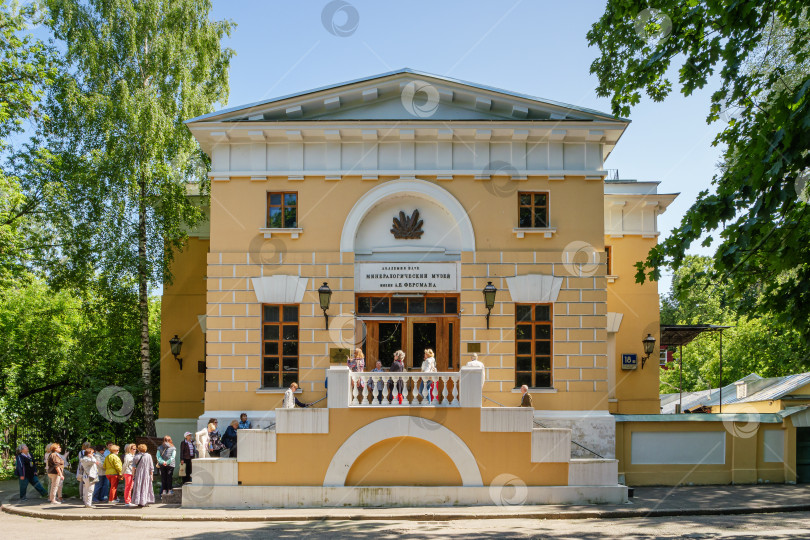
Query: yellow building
{"points": [[406, 195]]}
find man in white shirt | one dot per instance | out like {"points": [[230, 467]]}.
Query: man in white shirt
{"points": [[476, 363], [290, 401]]}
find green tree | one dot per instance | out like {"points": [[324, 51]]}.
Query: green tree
{"points": [[137, 70], [27, 67], [758, 51], [758, 344], [62, 348]]}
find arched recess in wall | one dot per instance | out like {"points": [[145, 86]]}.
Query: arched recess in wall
{"points": [[450, 224], [403, 426]]}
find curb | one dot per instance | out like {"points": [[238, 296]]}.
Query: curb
{"points": [[417, 516]]}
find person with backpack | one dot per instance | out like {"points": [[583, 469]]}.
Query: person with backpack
{"points": [[89, 471], [165, 461], [26, 471], [215, 445]]}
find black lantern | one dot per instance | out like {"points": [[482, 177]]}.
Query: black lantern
{"points": [[176, 344], [489, 298], [649, 347], [324, 295]]}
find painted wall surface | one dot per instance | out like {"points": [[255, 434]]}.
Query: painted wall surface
{"points": [[394, 461], [746, 460], [636, 390], [302, 459], [240, 252], [181, 391]]}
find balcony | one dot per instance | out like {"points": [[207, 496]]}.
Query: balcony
{"points": [[369, 389], [440, 389]]}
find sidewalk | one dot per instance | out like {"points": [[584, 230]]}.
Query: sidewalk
{"points": [[648, 502]]}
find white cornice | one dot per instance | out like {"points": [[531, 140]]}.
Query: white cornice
{"points": [[447, 173]]}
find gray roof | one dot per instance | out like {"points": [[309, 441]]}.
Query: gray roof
{"points": [[759, 389], [412, 72]]}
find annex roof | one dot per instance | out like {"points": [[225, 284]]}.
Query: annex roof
{"points": [[673, 335], [757, 389]]}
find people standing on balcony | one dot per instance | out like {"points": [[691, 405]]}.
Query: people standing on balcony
{"points": [[397, 366], [244, 423], [428, 366], [357, 364], [526, 400], [377, 369], [229, 439], [290, 401], [215, 445], [142, 491]]}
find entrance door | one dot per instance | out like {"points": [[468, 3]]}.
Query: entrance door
{"points": [[437, 333], [424, 334], [412, 323], [383, 339]]}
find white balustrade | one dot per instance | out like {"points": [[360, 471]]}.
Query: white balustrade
{"points": [[403, 389]]}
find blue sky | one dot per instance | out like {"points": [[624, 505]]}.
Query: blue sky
{"points": [[536, 47]]}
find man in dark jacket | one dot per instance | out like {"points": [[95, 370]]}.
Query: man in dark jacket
{"points": [[229, 439], [188, 452], [26, 470]]}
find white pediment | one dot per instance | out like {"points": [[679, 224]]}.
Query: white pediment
{"points": [[405, 95]]}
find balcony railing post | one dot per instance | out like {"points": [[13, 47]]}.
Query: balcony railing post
{"points": [[338, 389], [471, 383]]}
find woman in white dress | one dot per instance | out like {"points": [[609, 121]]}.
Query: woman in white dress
{"points": [[428, 366]]}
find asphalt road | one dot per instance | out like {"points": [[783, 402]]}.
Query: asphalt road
{"points": [[754, 526]]}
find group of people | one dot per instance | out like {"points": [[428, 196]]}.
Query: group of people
{"points": [[101, 470], [357, 364], [217, 443]]}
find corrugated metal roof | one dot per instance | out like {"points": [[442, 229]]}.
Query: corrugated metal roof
{"points": [[783, 387], [759, 389]]}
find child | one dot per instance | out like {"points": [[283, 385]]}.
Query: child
{"points": [[114, 470]]}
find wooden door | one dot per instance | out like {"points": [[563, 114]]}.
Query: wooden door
{"points": [[383, 338], [437, 333]]}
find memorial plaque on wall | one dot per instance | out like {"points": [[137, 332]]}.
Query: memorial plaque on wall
{"points": [[404, 277], [338, 355]]}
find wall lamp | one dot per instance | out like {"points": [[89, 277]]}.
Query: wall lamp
{"points": [[489, 298], [325, 295], [176, 344], [649, 347]]}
